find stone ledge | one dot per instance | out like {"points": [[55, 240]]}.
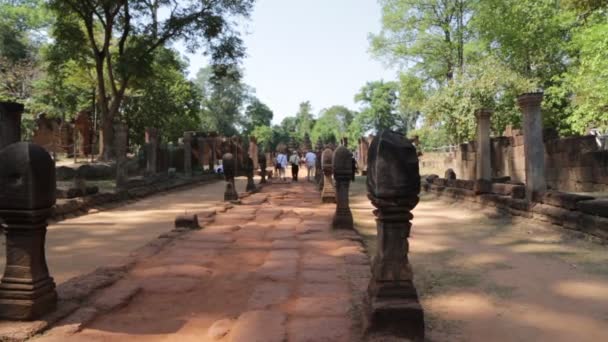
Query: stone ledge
{"points": [[589, 217], [80, 206], [598, 207]]}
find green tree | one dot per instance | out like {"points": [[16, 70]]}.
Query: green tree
{"points": [[164, 99], [587, 79], [380, 108], [428, 36], [257, 114], [332, 125], [223, 100], [264, 135], [121, 37], [304, 120]]}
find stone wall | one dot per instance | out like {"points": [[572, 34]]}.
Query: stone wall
{"points": [[573, 164], [586, 214]]}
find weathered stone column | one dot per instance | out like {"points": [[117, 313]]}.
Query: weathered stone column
{"points": [[484, 158], [534, 147], [10, 123], [27, 195], [343, 170], [328, 195], [263, 164], [253, 152], [188, 154], [120, 142], [151, 150], [248, 168], [229, 166], [393, 184], [200, 143]]}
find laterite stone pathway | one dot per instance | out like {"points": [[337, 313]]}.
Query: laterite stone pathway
{"points": [[270, 269]]}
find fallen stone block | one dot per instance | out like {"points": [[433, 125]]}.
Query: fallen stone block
{"points": [[565, 200], [189, 221], [598, 207]]}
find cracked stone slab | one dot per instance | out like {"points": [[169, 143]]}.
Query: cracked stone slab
{"points": [[278, 270], [282, 255], [183, 270], [285, 244], [267, 294], [116, 296], [169, 284], [322, 306], [259, 326], [319, 329]]}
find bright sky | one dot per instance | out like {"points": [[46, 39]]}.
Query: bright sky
{"points": [[314, 50]]}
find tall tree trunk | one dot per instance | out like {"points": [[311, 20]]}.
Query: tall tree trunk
{"points": [[106, 133]]}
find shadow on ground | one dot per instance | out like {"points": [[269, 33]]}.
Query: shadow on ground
{"points": [[485, 277]]}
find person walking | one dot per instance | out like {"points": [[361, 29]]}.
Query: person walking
{"points": [[281, 164], [294, 160], [311, 160]]}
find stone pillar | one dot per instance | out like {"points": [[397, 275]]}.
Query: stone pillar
{"points": [[152, 150], [343, 170], [393, 184], [328, 195], [200, 143], [484, 157], [120, 141], [534, 147], [188, 154], [248, 168], [263, 164], [228, 163], [10, 123], [27, 196], [213, 153], [253, 152]]}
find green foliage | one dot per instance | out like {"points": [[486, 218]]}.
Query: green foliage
{"points": [[380, 102], [427, 35], [588, 80], [263, 135], [257, 114], [304, 121], [332, 125], [487, 84], [164, 99], [223, 99]]}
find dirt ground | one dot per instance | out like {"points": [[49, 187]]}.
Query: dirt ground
{"points": [[79, 245], [482, 277], [268, 270]]}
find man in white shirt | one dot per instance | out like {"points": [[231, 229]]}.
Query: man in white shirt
{"points": [[311, 159]]}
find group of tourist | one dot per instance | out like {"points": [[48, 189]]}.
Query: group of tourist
{"points": [[309, 159]]}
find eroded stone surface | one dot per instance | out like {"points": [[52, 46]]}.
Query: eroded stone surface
{"points": [[259, 326]]}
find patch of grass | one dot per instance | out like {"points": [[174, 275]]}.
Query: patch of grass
{"points": [[435, 325], [499, 291]]}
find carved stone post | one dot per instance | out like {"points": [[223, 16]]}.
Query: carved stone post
{"points": [[248, 168], [188, 154], [343, 170], [393, 184], [151, 150], [484, 158], [328, 195], [263, 164], [534, 146], [10, 123], [200, 143], [120, 141], [229, 166], [253, 152], [27, 195]]}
